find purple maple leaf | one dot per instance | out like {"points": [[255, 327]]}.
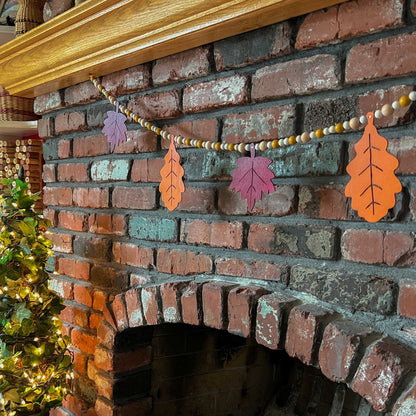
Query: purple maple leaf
{"points": [[252, 177], [115, 128]]}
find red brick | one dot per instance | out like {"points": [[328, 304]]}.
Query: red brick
{"points": [[280, 202], [171, 295], [109, 316], [222, 92], [134, 197], [195, 129], [407, 299], [214, 303], [62, 242], [342, 346], [45, 127], [133, 255], [134, 308], [182, 262], [190, 64], [191, 304], [147, 170], [198, 200], [90, 146], [106, 335], [69, 122], [51, 215], [327, 202], [150, 302], [138, 141], [73, 172], [82, 270], [49, 173], [139, 279], [365, 246], [107, 224], [91, 197], [95, 320], [379, 374], [84, 341], [242, 305], [120, 312], [399, 248], [48, 102], [99, 300], [80, 362], [405, 151], [83, 295], [57, 196], [257, 125], [382, 58], [156, 106], [104, 386], [74, 404], [300, 76], [413, 203], [80, 318], [254, 269], [374, 100], [261, 238], [64, 149], [271, 319], [305, 325], [406, 405], [128, 80], [119, 362], [73, 221], [82, 93], [215, 234], [348, 20]]}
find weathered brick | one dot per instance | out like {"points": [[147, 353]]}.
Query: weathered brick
{"points": [[50, 150], [242, 306], [355, 291], [271, 319], [151, 303], [215, 234], [382, 58], [75, 404], [342, 347], [72, 172], [128, 80], [49, 173], [413, 203], [156, 106], [106, 277], [82, 93], [399, 249], [90, 146], [96, 116], [83, 295], [100, 298], [110, 170], [84, 341], [254, 269], [69, 122], [92, 247], [48, 102], [62, 242], [406, 405], [407, 296], [255, 46], [297, 77], [137, 141], [46, 127], [221, 92], [171, 296], [147, 170], [106, 335], [280, 202], [120, 312], [190, 64], [326, 202], [133, 255], [134, 308], [379, 374], [365, 246], [182, 262], [261, 238], [153, 228], [64, 149], [197, 200], [191, 302], [107, 224], [214, 301], [134, 197], [305, 326], [54, 8], [61, 196], [405, 151], [91, 197], [119, 362], [74, 221], [51, 215]]}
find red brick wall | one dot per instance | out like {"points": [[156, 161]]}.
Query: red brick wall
{"points": [[112, 232]]}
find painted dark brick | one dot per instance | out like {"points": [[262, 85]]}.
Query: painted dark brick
{"points": [[153, 228], [92, 248]]}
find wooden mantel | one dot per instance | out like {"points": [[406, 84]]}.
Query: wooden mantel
{"points": [[102, 36]]}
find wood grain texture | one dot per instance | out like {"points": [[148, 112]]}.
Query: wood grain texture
{"points": [[102, 36]]}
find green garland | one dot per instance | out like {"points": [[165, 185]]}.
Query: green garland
{"points": [[35, 363]]}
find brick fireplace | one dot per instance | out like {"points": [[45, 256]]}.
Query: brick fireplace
{"points": [[298, 307]]}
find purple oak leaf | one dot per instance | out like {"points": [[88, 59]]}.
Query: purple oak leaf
{"points": [[252, 177], [115, 128]]}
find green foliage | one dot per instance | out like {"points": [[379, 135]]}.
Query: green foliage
{"points": [[35, 365]]}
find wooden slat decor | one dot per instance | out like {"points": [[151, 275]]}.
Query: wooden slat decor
{"points": [[103, 36]]}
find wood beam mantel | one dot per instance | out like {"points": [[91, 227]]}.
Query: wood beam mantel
{"points": [[103, 36]]}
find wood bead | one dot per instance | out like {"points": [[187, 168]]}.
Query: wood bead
{"points": [[263, 146], [241, 148], [305, 137], [355, 123], [387, 110]]}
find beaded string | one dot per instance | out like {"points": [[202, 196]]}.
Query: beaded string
{"points": [[354, 124]]}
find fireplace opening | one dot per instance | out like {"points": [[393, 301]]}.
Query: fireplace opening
{"points": [[183, 370]]}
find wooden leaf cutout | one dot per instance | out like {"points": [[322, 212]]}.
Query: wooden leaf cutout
{"points": [[115, 128], [373, 185], [171, 186], [252, 177]]}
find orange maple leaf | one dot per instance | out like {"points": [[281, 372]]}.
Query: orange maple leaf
{"points": [[171, 186], [373, 184]]}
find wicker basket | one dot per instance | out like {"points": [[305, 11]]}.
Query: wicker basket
{"points": [[15, 108]]}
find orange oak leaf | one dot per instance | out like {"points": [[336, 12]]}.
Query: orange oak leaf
{"points": [[373, 184], [171, 186]]}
